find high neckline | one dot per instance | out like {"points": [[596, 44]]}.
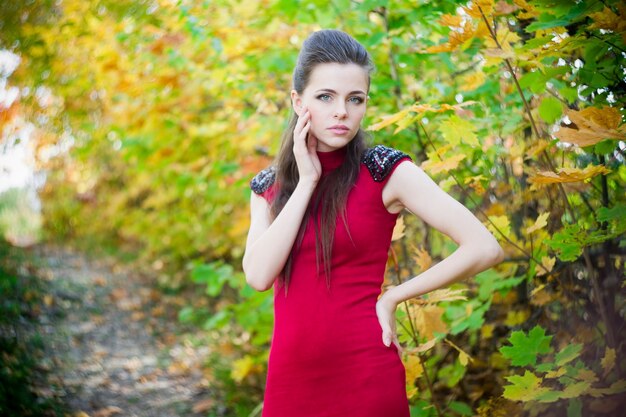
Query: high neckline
{"points": [[332, 159]]}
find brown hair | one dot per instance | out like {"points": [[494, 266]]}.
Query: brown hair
{"points": [[321, 47]]}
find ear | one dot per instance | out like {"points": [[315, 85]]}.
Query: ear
{"points": [[296, 102]]}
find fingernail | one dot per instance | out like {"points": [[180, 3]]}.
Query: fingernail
{"points": [[387, 342]]}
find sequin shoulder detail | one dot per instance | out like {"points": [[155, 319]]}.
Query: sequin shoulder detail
{"points": [[263, 180], [380, 160]]}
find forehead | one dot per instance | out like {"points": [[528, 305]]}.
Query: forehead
{"points": [[342, 78]]}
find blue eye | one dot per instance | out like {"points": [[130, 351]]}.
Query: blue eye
{"points": [[357, 100], [324, 97]]}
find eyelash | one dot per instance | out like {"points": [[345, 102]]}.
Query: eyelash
{"points": [[359, 99]]}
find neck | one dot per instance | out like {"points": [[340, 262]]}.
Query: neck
{"points": [[332, 159]]}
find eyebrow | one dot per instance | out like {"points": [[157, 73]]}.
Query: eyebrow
{"points": [[333, 91]]}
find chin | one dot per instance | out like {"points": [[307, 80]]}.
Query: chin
{"points": [[334, 142]]}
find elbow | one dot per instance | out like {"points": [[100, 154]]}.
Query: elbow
{"points": [[494, 254], [257, 283], [255, 280]]}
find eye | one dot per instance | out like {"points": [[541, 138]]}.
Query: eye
{"points": [[356, 100], [324, 97]]}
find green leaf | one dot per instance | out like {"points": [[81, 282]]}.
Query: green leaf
{"points": [[524, 388], [454, 130], [524, 349], [575, 407], [618, 212], [605, 147], [550, 109], [568, 354], [575, 390], [461, 408], [549, 396]]}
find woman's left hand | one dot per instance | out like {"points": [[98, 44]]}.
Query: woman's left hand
{"points": [[386, 312]]}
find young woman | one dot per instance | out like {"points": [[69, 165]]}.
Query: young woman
{"points": [[322, 217]]}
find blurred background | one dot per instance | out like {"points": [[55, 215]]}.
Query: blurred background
{"points": [[129, 131]]}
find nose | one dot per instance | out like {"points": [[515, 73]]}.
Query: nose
{"points": [[340, 111]]}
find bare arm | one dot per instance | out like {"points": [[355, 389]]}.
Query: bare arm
{"points": [[410, 187], [269, 243]]}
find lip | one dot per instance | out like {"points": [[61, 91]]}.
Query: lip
{"points": [[339, 129]]}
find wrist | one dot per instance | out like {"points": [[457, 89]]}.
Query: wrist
{"points": [[307, 184], [389, 298]]}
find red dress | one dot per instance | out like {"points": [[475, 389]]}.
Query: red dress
{"points": [[327, 357]]}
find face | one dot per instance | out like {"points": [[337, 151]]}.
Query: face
{"points": [[336, 98]]}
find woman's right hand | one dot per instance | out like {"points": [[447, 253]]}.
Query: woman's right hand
{"points": [[304, 149]]}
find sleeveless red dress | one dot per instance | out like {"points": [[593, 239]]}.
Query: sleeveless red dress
{"points": [[327, 357]]}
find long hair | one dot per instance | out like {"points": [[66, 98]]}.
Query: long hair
{"points": [[322, 47]]}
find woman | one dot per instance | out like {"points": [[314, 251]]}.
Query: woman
{"points": [[322, 218]]}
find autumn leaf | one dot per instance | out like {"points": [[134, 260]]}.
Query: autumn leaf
{"points": [[609, 20], [523, 388], [435, 167], [422, 258], [456, 130], [608, 361], [499, 225], [525, 348], [414, 369], [428, 320], [592, 125], [540, 223], [389, 120], [398, 229], [568, 354], [241, 368], [440, 295], [564, 175], [547, 262], [464, 358]]}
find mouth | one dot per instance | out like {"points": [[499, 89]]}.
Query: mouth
{"points": [[339, 129]]}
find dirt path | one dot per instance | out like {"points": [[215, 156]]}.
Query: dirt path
{"points": [[114, 344]]}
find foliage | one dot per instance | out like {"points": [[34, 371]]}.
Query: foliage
{"points": [[24, 387], [514, 107]]}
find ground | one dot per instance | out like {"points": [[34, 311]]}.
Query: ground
{"points": [[113, 344]]}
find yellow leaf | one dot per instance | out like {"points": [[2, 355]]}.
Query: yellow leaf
{"points": [[398, 229], [442, 294], [592, 125], [608, 20], [464, 358], [450, 20], [473, 81], [501, 223], [540, 223], [568, 175], [424, 347], [548, 263], [435, 167], [241, 368], [513, 318], [414, 369], [608, 361], [486, 331], [391, 119], [557, 373], [422, 258], [428, 320]]}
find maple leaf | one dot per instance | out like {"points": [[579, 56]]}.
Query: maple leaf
{"points": [[568, 354], [435, 167], [608, 361], [398, 229], [592, 125], [539, 223], [422, 258], [568, 175], [524, 349], [525, 387]]}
